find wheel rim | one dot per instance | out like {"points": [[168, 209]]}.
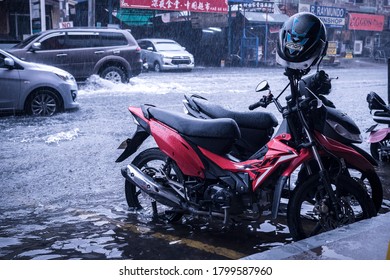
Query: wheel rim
{"points": [[144, 204], [313, 213], [43, 104], [157, 67], [113, 76]]}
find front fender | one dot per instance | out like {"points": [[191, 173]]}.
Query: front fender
{"points": [[378, 135]]}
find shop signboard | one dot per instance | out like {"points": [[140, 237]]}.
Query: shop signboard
{"points": [[260, 6], [330, 16], [367, 22], [200, 6]]}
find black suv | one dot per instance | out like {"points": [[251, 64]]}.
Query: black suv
{"points": [[112, 54]]}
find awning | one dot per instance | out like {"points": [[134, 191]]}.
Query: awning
{"points": [[256, 17], [134, 17]]}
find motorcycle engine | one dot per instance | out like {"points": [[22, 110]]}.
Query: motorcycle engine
{"points": [[218, 196]]}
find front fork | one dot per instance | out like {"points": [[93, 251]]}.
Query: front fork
{"points": [[324, 175]]}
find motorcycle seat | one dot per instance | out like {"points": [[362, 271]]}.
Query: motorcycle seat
{"points": [[213, 128], [216, 135], [255, 120], [381, 117]]}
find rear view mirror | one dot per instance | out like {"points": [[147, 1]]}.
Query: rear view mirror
{"points": [[262, 86], [9, 62], [36, 46]]}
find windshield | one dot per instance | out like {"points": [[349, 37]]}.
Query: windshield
{"points": [[25, 42], [168, 46]]}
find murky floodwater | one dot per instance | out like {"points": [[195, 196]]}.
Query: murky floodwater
{"points": [[62, 194]]}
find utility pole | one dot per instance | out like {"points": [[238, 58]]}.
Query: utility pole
{"points": [[43, 15], [91, 13]]}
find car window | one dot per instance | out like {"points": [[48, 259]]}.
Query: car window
{"points": [[76, 40], [25, 42], [112, 39], [168, 46], [145, 45], [53, 42]]}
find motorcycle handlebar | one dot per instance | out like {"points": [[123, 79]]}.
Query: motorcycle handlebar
{"points": [[256, 105], [263, 102]]}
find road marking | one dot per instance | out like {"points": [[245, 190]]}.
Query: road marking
{"points": [[172, 239], [225, 252]]}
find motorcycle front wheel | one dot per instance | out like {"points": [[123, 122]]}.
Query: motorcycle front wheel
{"points": [[310, 211], [378, 146], [154, 163]]}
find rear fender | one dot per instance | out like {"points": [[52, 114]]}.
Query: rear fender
{"points": [[132, 144]]}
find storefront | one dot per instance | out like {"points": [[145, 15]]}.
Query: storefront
{"points": [[364, 32]]}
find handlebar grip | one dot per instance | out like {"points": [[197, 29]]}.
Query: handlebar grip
{"points": [[255, 105]]}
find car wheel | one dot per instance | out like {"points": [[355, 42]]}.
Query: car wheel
{"points": [[157, 67], [43, 103], [114, 74]]}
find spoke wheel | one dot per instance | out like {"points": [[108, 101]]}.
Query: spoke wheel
{"points": [[310, 210], [152, 162], [43, 103]]}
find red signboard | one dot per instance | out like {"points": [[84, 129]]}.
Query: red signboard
{"points": [[367, 22], [205, 6]]}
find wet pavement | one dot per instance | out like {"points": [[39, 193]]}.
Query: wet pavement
{"points": [[364, 240], [62, 194]]}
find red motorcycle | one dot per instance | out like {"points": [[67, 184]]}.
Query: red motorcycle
{"points": [[191, 171], [379, 139], [257, 128]]}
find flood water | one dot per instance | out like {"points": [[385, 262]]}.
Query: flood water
{"points": [[62, 194]]}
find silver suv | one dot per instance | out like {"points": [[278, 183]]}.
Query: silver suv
{"points": [[165, 54], [112, 54]]}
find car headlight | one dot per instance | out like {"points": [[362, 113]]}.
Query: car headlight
{"points": [[65, 77]]}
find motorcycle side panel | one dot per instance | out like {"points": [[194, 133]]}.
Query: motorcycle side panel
{"points": [[347, 153], [177, 148], [258, 170], [379, 135]]}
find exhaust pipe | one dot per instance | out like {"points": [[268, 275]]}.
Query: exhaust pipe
{"points": [[156, 191], [135, 176]]}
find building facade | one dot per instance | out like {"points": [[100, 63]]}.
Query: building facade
{"points": [[249, 30]]}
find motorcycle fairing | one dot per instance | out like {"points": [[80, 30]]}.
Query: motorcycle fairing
{"points": [[349, 154], [379, 135], [258, 169]]}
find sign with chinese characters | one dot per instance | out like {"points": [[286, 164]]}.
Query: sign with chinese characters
{"points": [[200, 6], [259, 6], [368, 22]]}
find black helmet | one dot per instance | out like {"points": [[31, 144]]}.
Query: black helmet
{"points": [[302, 41]]}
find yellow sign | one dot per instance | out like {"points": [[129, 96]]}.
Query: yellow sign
{"points": [[332, 48]]}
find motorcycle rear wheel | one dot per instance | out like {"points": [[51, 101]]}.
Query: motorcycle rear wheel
{"points": [[152, 161], [307, 215]]}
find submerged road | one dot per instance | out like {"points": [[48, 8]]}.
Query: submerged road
{"points": [[62, 194]]}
